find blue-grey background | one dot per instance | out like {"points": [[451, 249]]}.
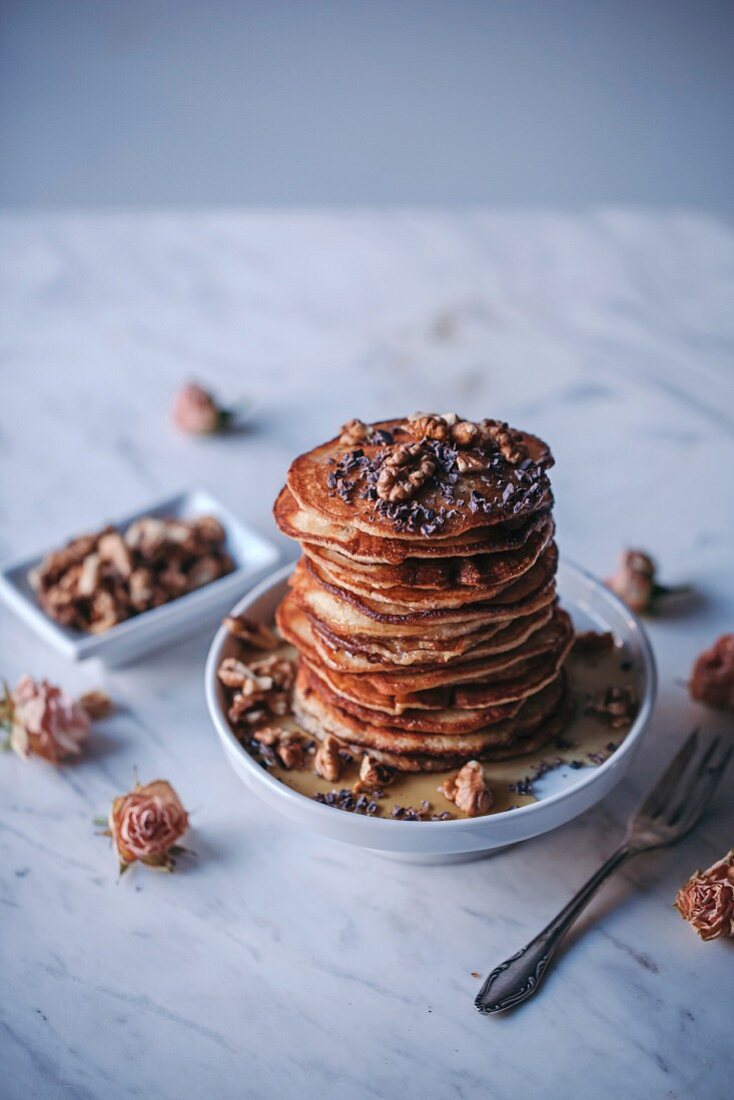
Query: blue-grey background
{"points": [[552, 102]]}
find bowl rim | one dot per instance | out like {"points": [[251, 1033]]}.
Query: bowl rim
{"points": [[522, 813]]}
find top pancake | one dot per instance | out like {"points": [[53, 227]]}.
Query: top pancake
{"points": [[307, 526], [340, 483]]}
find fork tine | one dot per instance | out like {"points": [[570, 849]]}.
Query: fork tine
{"points": [[702, 793], [666, 785], [684, 794]]}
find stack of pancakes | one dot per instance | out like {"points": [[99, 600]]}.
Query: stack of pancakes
{"points": [[424, 606]]}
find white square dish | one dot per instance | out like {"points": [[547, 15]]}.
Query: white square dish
{"points": [[252, 555]]}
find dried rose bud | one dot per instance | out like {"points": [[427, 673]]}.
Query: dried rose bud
{"points": [[97, 704], [712, 679], [44, 721], [707, 900], [634, 581], [146, 825], [195, 411]]}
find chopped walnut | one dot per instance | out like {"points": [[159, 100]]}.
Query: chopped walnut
{"points": [[210, 529], [712, 680], [89, 577], [589, 643], [465, 434], [470, 463], [99, 580], [204, 571], [291, 750], [267, 735], [278, 669], [372, 776], [450, 418], [141, 585], [328, 762], [235, 674], [469, 790], [353, 433], [615, 705], [146, 534], [97, 704], [112, 548], [104, 612], [253, 633], [404, 472], [428, 426], [507, 442], [261, 688]]}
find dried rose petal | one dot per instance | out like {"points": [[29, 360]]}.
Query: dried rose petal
{"points": [[706, 901], [46, 721], [712, 679]]}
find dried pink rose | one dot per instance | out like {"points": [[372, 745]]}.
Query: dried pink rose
{"points": [[196, 412], [146, 824], [712, 679], [707, 900], [44, 721], [634, 581]]}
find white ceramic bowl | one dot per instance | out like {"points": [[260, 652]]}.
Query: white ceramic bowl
{"points": [[164, 625], [592, 606]]}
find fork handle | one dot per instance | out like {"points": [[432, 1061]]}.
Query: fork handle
{"points": [[515, 980]]}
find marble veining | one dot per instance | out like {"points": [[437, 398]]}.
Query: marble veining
{"points": [[276, 963]]}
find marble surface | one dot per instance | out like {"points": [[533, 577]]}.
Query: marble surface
{"points": [[278, 963]]}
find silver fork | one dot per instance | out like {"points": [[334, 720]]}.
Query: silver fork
{"points": [[671, 809]]}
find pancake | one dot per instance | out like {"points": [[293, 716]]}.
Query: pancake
{"points": [[406, 686], [369, 655], [447, 707], [398, 600], [483, 571], [319, 717], [335, 482], [310, 529]]}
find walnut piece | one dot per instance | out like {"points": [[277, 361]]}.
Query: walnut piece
{"points": [[372, 776], [253, 633], [404, 472], [470, 463], [289, 747], [291, 750], [112, 548], [614, 705], [353, 433], [328, 762], [428, 426], [465, 434], [277, 669], [507, 442], [236, 674], [589, 643], [469, 790]]}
